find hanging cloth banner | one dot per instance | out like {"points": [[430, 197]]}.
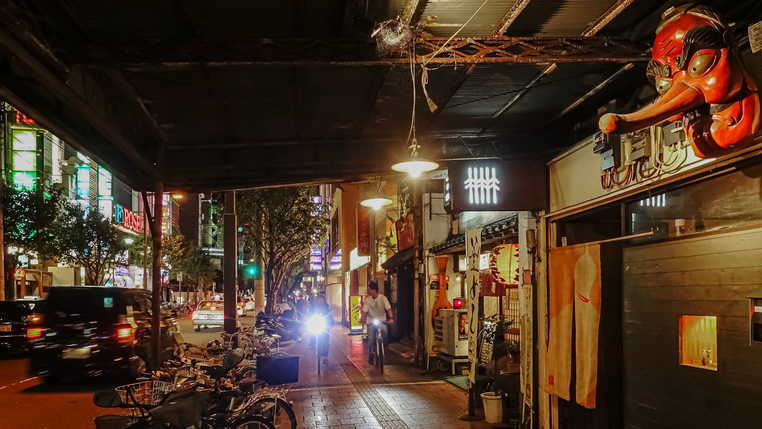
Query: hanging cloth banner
{"points": [[575, 291], [526, 306], [587, 315], [561, 313], [473, 251]]}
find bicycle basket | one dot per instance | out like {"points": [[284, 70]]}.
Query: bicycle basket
{"points": [[146, 393], [113, 422]]}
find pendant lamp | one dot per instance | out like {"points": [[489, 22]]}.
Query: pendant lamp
{"points": [[415, 165], [378, 200]]}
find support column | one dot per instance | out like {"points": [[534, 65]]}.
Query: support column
{"points": [[158, 212], [230, 268], [2, 245], [418, 283]]}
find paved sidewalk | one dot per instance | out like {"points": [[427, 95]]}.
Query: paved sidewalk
{"points": [[350, 394]]}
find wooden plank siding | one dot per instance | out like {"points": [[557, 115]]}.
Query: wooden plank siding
{"points": [[708, 275]]}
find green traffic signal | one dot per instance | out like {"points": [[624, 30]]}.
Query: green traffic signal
{"points": [[252, 271]]}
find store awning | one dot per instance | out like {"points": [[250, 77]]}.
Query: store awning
{"points": [[399, 259]]}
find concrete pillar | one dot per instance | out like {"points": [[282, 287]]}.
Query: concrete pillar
{"points": [[158, 212], [259, 296], [230, 266]]}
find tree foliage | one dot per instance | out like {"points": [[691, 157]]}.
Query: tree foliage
{"points": [[27, 220], [87, 239], [280, 225], [178, 256]]}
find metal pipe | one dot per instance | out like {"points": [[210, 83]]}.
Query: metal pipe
{"points": [[592, 92]]}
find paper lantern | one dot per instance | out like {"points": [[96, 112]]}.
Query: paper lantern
{"points": [[504, 264]]}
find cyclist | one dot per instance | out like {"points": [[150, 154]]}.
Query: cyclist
{"points": [[321, 308], [377, 307]]}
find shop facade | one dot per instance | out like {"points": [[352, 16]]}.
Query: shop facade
{"points": [[650, 270]]}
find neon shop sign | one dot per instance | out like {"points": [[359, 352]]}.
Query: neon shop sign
{"points": [[128, 219]]}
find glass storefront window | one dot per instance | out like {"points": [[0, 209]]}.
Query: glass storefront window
{"points": [[728, 201]]}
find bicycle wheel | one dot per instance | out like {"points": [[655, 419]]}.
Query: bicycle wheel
{"points": [[380, 357], [276, 411], [251, 422], [319, 353]]}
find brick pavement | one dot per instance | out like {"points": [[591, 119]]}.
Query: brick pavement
{"points": [[350, 394]]}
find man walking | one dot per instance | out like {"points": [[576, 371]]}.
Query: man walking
{"points": [[377, 307]]}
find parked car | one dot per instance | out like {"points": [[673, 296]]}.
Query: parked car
{"points": [[94, 330], [248, 303], [212, 313], [15, 318]]}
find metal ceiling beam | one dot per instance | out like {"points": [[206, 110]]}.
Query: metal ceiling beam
{"points": [[92, 97], [509, 17], [506, 22], [464, 74], [593, 29], [413, 12], [592, 92], [380, 79], [159, 54]]}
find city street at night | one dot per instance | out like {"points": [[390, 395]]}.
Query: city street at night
{"points": [[450, 214]]}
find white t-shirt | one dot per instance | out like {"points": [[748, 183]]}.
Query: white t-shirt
{"points": [[376, 308]]}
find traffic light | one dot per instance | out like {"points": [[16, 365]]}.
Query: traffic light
{"points": [[252, 270]]}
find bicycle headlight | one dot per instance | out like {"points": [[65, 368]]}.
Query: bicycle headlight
{"points": [[376, 322], [316, 324]]}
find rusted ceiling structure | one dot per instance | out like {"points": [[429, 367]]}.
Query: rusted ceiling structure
{"points": [[231, 94]]}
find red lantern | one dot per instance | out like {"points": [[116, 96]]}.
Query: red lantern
{"points": [[457, 303]]}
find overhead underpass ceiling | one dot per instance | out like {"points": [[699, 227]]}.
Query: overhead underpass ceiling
{"points": [[230, 94]]}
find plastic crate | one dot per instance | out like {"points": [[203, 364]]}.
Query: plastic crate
{"points": [[278, 369]]}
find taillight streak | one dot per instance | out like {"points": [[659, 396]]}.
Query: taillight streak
{"points": [[125, 334], [33, 333]]}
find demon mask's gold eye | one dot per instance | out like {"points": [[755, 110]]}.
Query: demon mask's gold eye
{"points": [[663, 85], [700, 64]]}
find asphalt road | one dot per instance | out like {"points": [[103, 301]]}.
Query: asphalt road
{"points": [[27, 403]]}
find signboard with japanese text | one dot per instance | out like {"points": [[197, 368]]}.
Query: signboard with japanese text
{"points": [[363, 230], [355, 304], [473, 250], [526, 303], [495, 186]]}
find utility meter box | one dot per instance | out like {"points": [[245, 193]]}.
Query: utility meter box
{"points": [[755, 317]]}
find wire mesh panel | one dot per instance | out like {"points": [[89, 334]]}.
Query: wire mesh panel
{"points": [[145, 393]]}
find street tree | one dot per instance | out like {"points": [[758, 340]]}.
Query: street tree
{"points": [[27, 220], [280, 225], [87, 239]]}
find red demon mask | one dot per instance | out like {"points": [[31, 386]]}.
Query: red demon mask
{"points": [[702, 82]]}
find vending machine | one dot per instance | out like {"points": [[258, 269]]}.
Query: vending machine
{"points": [[454, 331]]}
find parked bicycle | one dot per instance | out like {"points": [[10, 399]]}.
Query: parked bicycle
{"points": [[208, 409]]}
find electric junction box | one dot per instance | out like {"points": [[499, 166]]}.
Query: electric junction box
{"points": [[673, 133], [611, 154]]}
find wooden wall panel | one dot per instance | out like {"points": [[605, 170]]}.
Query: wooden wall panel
{"points": [[707, 275]]}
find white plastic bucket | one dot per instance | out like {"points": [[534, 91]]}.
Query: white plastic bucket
{"points": [[493, 407]]}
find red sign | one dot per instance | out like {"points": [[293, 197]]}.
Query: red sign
{"points": [[405, 232], [128, 219], [19, 273], [363, 231], [22, 118]]}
